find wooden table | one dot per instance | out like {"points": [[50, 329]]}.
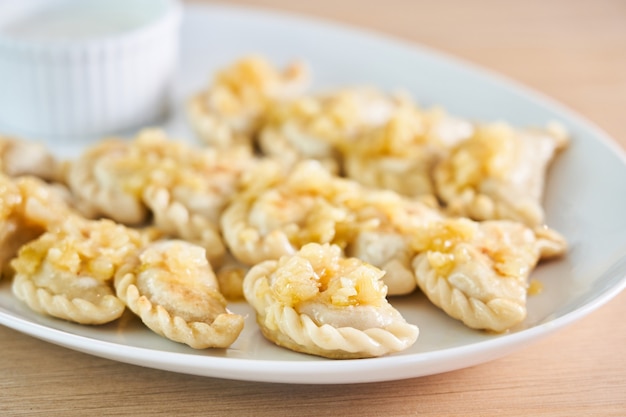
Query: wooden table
{"points": [[574, 51]]}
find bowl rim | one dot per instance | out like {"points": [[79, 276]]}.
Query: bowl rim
{"points": [[169, 17]]}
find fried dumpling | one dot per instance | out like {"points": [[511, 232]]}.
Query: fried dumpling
{"points": [[20, 157], [318, 302], [230, 274], [383, 237], [28, 207], [170, 285], [478, 272], [277, 212], [309, 204], [318, 127], [228, 113], [10, 241], [189, 188], [107, 180], [499, 173], [401, 154], [184, 188], [67, 272], [175, 219]]}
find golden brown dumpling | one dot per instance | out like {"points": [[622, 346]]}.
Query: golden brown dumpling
{"points": [[19, 157], [175, 219], [318, 127], [499, 173], [401, 154], [172, 288], [107, 180], [10, 242], [383, 238], [188, 189], [320, 303], [478, 272], [67, 272], [228, 113], [28, 207], [184, 188], [311, 205], [277, 213]]}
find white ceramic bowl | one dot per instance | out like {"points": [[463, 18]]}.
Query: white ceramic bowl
{"points": [[77, 69]]}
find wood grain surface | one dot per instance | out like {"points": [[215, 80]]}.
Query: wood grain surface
{"points": [[573, 51]]}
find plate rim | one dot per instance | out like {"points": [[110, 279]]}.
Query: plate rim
{"points": [[328, 371]]}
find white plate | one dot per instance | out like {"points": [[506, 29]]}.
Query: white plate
{"points": [[586, 201]]}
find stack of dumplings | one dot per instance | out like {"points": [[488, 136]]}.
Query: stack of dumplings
{"points": [[316, 209]]}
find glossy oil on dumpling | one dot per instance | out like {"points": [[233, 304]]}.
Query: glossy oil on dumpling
{"points": [[229, 112], [278, 212], [309, 204], [188, 188], [10, 236], [321, 303], [68, 271], [499, 173], [28, 208], [383, 236], [401, 154], [170, 285], [179, 188], [107, 180], [319, 126], [478, 272]]}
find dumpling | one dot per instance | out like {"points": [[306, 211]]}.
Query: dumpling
{"points": [[170, 285], [228, 113], [189, 188], [230, 274], [318, 127], [107, 180], [276, 213], [478, 272], [383, 238], [10, 238], [67, 272], [401, 154], [499, 173], [318, 302], [202, 179], [175, 219], [19, 157], [28, 207], [184, 188], [309, 204]]}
